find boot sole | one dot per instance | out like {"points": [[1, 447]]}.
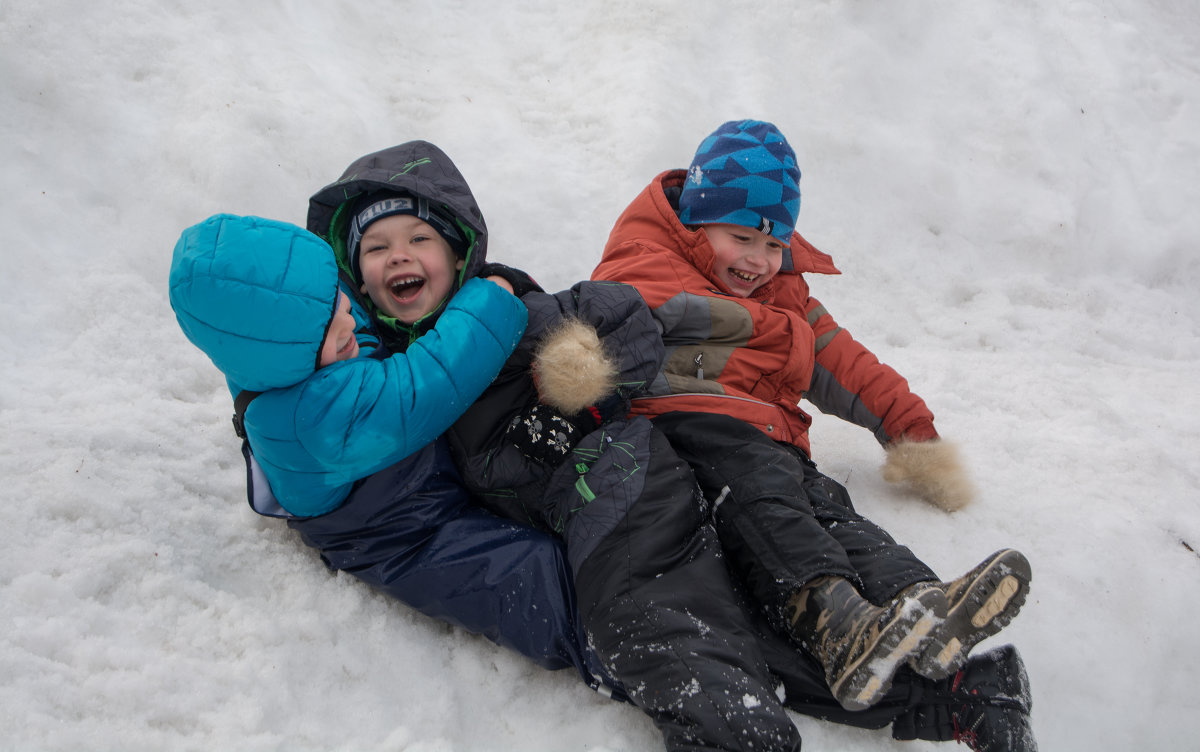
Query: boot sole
{"points": [[868, 679], [988, 603]]}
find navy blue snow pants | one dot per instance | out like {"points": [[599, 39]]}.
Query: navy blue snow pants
{"points": [[411, 531]]}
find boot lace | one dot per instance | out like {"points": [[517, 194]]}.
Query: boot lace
{"points": [[963, 733]]}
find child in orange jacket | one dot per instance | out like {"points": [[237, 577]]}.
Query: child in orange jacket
{"points": [[714, 253]]}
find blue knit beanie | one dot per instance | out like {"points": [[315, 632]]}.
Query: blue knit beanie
{"points": [[744, 174]]}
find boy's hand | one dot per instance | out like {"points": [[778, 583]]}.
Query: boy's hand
{"points": [[500, 281], [517, 281]]}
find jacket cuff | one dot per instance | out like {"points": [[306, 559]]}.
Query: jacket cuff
{"points": [[920, 431]]}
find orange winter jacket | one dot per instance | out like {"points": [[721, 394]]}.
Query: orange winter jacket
{"points": [[752, 358]]}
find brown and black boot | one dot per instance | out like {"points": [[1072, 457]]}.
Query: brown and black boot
{"points": [[861, 645], [978, 605]]}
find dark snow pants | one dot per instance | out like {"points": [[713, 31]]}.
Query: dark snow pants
{"points": [[655, 595], [411, 531], [781, 522]]}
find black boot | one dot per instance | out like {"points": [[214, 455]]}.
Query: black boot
{"points": [[986, 706], [858, 644]]}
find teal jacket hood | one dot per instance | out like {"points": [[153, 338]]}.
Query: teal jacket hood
{"points": [[256, 296]]}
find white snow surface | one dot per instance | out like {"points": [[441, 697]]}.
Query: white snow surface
{"points": [[1010, 189]]}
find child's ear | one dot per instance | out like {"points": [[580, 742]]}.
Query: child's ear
{"points": [[363, 288], [458, 265]]}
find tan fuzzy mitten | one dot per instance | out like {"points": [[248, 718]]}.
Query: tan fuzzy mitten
{"points": [[571, 369], [931, 470]]}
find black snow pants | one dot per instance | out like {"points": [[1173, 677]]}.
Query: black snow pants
{"points": [[655, 596], [781, 522]]}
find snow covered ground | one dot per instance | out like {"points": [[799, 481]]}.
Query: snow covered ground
{"points": [[1010, 189]]}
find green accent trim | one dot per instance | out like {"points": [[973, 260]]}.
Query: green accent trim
{"points": [[338, 230], [581, 487], [499, 493], [409, 167], [472, 238], [815, 314]]}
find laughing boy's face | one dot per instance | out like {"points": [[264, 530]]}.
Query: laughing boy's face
{"points": [[407, 267], [745, 259]]}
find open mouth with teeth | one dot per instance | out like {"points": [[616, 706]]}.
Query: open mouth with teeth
{"points": [[744, 276], [406, 288]]}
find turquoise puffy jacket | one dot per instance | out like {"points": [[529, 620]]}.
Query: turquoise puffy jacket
{"points": [[257, 296]]}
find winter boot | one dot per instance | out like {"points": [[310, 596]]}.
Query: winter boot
{"points": [[858, 644], [978, 605], [986, 706]]}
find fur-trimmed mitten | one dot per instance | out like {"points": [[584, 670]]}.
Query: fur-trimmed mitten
{"points": [[571, 368], [931, 470]]}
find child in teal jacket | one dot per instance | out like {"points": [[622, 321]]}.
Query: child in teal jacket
{"points": [[346, 437]]}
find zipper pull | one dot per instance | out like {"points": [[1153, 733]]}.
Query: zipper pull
{"points": [[699, 366]]}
